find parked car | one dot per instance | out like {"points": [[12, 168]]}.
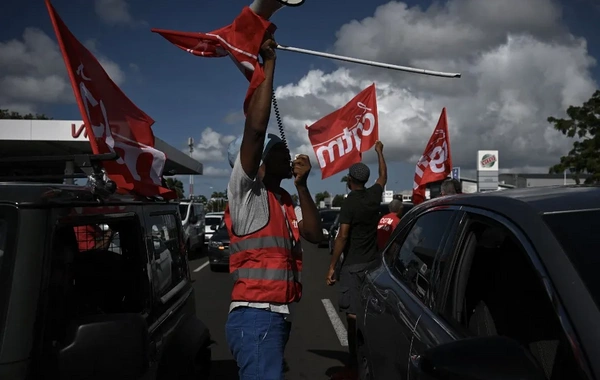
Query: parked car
{"points": [[212, 221], [192, 219], [218, 249], [327, 218], [487, 286], [78, 303]]}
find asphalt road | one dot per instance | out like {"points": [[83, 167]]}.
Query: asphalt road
{"points": [[314, 350]]}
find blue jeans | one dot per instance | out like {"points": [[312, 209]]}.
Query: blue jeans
{"points": [[257, 339]]}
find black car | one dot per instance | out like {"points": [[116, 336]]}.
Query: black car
{"points": [[218, 249], [500, 285], [95, 285], [328, 217]]}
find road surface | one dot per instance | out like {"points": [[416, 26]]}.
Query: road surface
{"points": [[317, 347]]}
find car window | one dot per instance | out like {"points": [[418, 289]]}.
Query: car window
{"points": [[411, 254], [495, 290], [579, 235], [328, 216], [213, 220], [183, 210], [168, 262]]}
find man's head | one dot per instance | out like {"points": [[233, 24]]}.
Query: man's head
{"points": [[451, 187], [396, 207], [275, 160], [358, 175]]}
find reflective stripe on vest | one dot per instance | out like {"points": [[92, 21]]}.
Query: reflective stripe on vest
{"points": [[264, 242], [266, 274]]}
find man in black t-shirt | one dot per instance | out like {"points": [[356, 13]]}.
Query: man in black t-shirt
{"points": [[357, 237]]}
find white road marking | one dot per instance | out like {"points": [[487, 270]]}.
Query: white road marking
{"points": [[201, 267], [338, 325]]}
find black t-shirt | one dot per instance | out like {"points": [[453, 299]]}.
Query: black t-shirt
{"points": [[361, 211]]}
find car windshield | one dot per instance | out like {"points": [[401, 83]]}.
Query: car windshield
{"points": [[183, 209], [213, 220], [328, 216], [578, 232]]}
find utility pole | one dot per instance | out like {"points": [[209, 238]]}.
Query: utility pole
{"points": [[191, 146]]}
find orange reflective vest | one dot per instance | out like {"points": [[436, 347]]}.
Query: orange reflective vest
{"points": [[264, 265]]}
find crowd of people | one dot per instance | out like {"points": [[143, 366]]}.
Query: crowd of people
{"points": [[265, 227]]}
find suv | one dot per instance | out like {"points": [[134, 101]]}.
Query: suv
{"points": [[497, 285], [192, 219], [212, 221], [95, 285]]}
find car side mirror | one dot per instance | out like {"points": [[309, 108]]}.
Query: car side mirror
{"points": [[485, 358], [114, 346]]}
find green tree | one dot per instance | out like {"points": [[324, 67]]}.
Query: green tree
{"points": [[202, 199], [7, 114], [321, 196], [337, 200], [219, 194], [583, 123], [177, 185]]}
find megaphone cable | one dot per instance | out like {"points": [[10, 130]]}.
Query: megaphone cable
{"points": [[279, 120]]}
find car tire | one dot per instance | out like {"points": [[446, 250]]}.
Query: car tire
{"points": [[202, 364], [365, 370], [214, 268]]}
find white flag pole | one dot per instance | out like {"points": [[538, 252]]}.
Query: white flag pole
{"points": [[370, 63]]}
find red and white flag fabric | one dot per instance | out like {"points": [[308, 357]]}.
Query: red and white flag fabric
{"points": [[113, 123], [340, 138], [241, 41], [436, 162]]}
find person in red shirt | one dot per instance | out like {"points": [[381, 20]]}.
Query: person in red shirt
{"points": [[388, 223]]}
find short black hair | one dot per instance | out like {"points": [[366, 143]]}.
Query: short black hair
{"points": [[451, 187]]}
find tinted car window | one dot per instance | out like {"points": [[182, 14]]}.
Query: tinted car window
{"points": [[329, 216], [213, 220], [412, 254], [183, 209], [579, 235]]}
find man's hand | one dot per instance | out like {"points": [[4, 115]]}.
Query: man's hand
{"points": [[330, 277], [378, 147], [267, 50], [301, 169]]}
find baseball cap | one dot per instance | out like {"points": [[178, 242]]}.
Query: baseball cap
{"points": [[360, 172], [234, 147]]}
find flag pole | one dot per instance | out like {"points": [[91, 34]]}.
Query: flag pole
{"points": [[369, 63]]}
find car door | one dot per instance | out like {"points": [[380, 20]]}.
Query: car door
{"points": [[397, 297]]}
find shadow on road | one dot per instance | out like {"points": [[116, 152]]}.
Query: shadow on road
{"points": [[341, 356], [224, 370]]}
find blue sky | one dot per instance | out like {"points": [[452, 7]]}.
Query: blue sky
{"points": [[187, 94]]}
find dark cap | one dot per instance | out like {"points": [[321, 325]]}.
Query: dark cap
{"points": [[360, 172]]}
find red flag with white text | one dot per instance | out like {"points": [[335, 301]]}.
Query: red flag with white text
{"points": [[340, 138], [113, 123], [241, 41], [436, 162]]}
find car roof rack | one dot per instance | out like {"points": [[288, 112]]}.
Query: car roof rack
{"points": [[90, 165]]}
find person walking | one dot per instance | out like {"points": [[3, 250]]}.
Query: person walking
{"points": [[357, 238], [264, 229], [387, 224]]}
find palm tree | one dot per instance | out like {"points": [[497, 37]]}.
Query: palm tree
{"points": [[177, 185]]}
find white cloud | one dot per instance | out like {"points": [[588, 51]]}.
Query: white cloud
{"points": [[212, 146], [516, 71], [32, 72], [211, 171], [113, 12]]}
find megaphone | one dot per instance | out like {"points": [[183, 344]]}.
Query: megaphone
{"points": [[266, 8]]}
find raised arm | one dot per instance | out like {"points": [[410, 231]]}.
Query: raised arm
{"points": [[382, 179], [310, 226], [259, 111]]}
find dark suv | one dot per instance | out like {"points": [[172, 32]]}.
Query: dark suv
{"points": [[95, 285], [498, 285]]}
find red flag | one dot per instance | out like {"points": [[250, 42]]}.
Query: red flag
{"points": [[113, 123], [436, 162], [346, 133], [241, 41]]}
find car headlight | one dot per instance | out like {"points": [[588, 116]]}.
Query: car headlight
{"points": [[325, 232], [216, 244]]}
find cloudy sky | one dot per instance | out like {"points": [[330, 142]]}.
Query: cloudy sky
{"points": [[521, 62]]}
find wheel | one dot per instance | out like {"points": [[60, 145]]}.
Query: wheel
{"points": [[214, 268], [202, 364], [365, 370]]}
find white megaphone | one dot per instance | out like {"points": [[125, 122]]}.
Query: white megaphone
{"points": [[266, 8]]}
